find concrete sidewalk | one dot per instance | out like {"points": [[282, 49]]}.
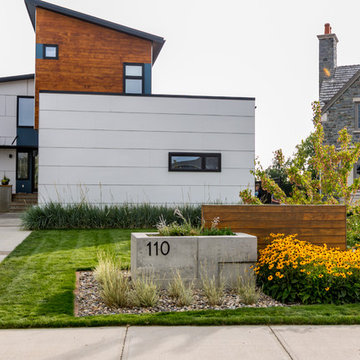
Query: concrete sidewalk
{"points": [[10, 234], [190, 343]]}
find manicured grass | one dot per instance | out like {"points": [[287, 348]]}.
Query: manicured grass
{"points": [[37, 282]]}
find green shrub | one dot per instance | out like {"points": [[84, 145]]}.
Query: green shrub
{"points": [[87, 216], [290, 270], [187, 228], [353, 230]]}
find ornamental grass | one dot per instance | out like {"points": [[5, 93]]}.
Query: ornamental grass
{"points": [[293, 271]]}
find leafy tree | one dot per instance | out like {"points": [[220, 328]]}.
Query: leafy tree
{"points": [[318, 173]]}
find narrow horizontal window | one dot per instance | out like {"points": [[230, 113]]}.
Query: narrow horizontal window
{"points": [[200, 162], [51, 52]]}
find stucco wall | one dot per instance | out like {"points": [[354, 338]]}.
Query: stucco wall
{"points": [[114, 149]]}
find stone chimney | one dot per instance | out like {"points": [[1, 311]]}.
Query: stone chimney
{"points": [[327, 54]]}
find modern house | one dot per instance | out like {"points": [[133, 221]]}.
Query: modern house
{"points": [[339, 92], [103, 137]]}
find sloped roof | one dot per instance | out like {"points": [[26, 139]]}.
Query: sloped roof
{"points": [[31, 5], [17, 78], [332, 86]]}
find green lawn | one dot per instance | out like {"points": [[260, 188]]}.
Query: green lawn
{"points": [[37, 282]]}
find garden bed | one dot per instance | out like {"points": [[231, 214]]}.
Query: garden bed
{"points": [[89, 302]]}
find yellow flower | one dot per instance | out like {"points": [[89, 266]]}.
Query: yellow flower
{"points": [[278, 273], [349, 273], [327, 289], [321, 275], [270, 277], [308, 272]]}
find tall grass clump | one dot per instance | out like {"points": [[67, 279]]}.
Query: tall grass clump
{"points": [[247, 290], [213, 289], [144, 292], [115, 285], [177, 289], [56, 216]]}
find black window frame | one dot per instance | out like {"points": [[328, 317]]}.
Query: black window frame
{"points": [[142, 77], [17, 112], [28, 165], [203, 157], [50, 57]]}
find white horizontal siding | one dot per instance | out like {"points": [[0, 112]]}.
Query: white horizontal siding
{"points": [[146, 105], [115, 121], [153, 194], [72, 157], [115, 148], [136, 176], [139, 140]]}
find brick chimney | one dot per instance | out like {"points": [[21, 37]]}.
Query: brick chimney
{"points": [[327, 54]]}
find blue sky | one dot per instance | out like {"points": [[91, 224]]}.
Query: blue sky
{"points": [[258, 48]]}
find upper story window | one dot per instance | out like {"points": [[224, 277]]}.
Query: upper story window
{"points": [[133, 78], [25, 111], [200, 162], [51, 51]]}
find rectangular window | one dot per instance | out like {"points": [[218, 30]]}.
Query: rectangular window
{"points": [[25, 111], [199, 162], [51, 51], [22, 166], [133, 78]]}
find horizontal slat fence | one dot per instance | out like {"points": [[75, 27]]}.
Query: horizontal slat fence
{"points": [[318, 224]]}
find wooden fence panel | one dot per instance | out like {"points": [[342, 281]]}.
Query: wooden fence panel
{"points": [[318, 224]]}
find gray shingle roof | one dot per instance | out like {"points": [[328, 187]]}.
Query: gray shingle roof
{"points": [[330, 87]]}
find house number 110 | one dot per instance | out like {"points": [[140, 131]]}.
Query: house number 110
{"points": [[164, 248]]}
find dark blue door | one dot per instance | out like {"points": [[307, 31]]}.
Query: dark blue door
{"points": [[24, 171]]}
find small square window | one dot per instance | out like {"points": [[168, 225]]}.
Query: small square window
{"points": [[51, 52]]}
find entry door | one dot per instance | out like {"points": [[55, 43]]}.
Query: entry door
{"points": [[25, 171]]}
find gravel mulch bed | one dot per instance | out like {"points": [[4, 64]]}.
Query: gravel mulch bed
{"points": [[88, 301]]}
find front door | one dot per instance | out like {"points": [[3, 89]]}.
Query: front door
{"points": [[26, 171]]}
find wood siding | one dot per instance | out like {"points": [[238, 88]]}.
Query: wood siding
{"points": [[91, 57], [318, 224]]}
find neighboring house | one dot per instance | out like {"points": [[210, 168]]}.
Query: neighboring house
{"points": [[339, 92], [104, 138]]}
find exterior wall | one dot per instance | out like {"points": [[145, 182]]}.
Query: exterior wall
{"points": [[341, 114], [8, 95], [91, 57], [8, 123], [8, 166], [113, 149]]}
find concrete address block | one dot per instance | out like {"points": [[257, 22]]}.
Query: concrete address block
{"points": [[192, 256]]}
